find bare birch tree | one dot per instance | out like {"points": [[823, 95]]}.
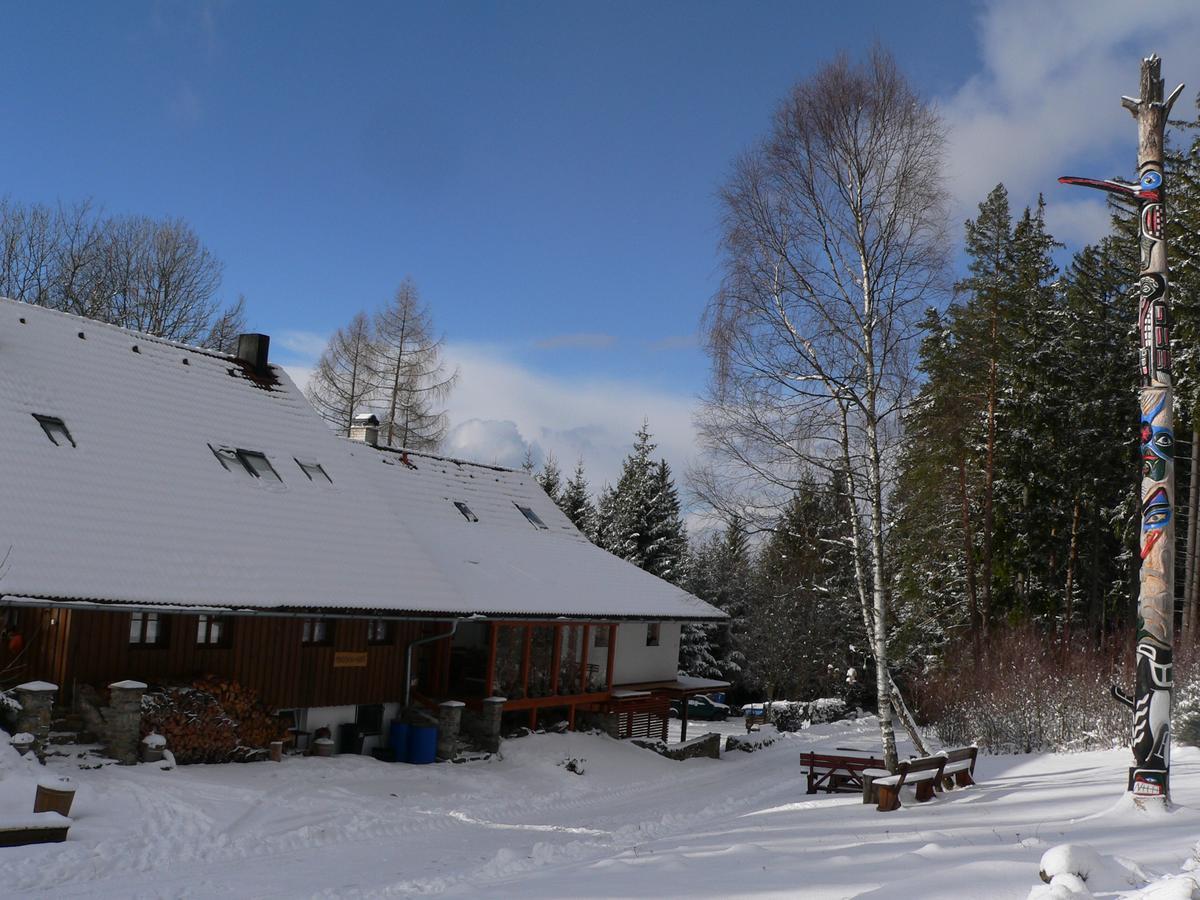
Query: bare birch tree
{"points": [[345, 379], [414, 381], [834, 245]]}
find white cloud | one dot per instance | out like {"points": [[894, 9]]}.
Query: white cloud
{"points": [[1048, 95], [580, 341], [306, 346], [499, 443], [593, 417]]}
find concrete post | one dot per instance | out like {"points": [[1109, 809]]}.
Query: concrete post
{"points": [[493, 709], [37, 711], [449, 723], [123, 720]]}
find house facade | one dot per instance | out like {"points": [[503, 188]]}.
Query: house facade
{"points": [[168, 512]]}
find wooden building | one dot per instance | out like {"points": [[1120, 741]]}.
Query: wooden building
{"points": [[169, 512]]}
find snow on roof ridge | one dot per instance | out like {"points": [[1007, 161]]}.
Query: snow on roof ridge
{"points": [[425, 454], [141, 335]]}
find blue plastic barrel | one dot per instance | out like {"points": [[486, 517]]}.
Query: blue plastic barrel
{"points": [[422, 744], [398, 741]]}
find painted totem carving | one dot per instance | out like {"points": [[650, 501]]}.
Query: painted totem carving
{"points": [[1151, 702]]}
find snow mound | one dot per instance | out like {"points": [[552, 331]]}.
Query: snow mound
{"points": [[1063, 865]]}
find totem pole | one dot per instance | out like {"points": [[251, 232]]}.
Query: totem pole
{"points": [[1151, 703]]}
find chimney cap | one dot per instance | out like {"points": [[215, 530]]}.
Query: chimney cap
{"points": [[366, 419]]}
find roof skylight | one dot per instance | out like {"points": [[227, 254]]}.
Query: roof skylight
{"points": [[56, 430], [249, 461], [315, 471], [534, 519], [466, 511]]}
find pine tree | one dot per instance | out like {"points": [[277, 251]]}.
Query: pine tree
{"points": [[413, 378], [345, 379]]}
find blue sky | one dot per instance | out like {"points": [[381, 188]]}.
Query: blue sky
{"points": [[545, 171]]}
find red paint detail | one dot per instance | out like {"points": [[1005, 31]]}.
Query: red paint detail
{"points": [[1151, 539]]}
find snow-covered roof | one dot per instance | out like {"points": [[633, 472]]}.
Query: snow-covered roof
{"points": [[144, 500]]}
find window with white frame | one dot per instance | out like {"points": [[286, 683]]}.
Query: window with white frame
{"points": [[212, 631], [317, 632], [601, 636], [147, 629]]}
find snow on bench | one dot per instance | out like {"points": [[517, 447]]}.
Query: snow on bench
{"points": [[35, 828], [928, 774]]}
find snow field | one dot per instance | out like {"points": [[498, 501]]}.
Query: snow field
{"points": [[635, 824]]}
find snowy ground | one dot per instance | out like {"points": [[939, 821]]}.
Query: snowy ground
{"points": [[634, 824]]}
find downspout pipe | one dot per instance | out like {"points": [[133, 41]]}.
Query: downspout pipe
{"points": [[408, 657]]}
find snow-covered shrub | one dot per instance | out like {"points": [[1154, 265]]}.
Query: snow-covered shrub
{"points": [[789, 716], [826, 709], [1032, 695]]}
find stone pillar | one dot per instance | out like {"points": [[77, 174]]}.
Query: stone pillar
{"points": [[449, 722], [493, 708], [37, 711], [123, 720]]}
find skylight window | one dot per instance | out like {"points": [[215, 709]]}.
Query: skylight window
{"points": [[56, 430], [249, 461], [466, 511], [257, 464], [314, 471], [533, 517]]}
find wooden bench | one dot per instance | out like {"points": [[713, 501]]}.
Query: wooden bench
{"points": [[960, 766], [38, 828], [837, 771], [925, 772]]}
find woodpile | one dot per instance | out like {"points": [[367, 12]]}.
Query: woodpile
{"points": [[210, 721]]}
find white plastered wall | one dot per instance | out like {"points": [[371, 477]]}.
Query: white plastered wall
{"points": [[635, 662]]}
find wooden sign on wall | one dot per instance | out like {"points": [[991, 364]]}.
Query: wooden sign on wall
{"points": [[350, 660]]}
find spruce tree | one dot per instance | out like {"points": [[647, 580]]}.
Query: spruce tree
{"points": [[550, 478], [576, 501]]}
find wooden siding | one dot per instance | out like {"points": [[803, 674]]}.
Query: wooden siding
{"points": [[264, 653]]}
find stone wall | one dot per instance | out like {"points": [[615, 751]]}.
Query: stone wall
{"points": [[707, 746]]}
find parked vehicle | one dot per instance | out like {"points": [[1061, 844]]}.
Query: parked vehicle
{"points": [[701, 707]]}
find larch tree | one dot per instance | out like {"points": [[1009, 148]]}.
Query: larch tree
{"points": [[413, 378], [345, 380], [834, 245]]}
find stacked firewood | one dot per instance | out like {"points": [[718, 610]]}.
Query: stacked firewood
{"points": [[212, 720]]}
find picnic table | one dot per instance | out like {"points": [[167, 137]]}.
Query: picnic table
{"points": [[837, 770]]}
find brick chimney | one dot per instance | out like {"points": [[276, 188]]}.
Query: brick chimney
{"points": [[253, 351], [365, 429]]}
